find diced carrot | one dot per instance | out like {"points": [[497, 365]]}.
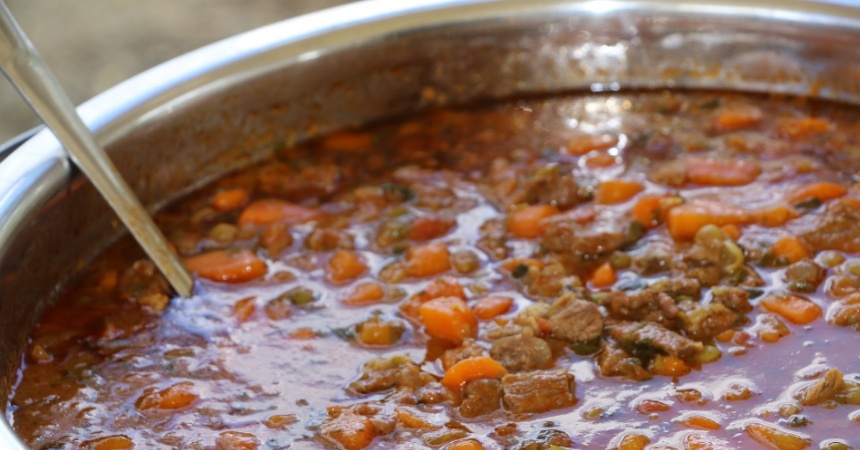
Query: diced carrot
{"points": [[822, 190], [669, 365], [229, 199], [610, 192], [721, 172], [796, 309], [731, 231], [603, 276], [685, 220], [651, 406], [448, 318], [466, 444], [348, 431], [364, 294], [348, 141], [774, 216], [428, 259], [280, 421], [581, 145], [345, 265], [634, 441], [472, 369], [267, 211], [176, 396], [543, 324], [115, 442], [775, 437], [489, 307], [736, 117], [527, 222], [237, 440], [411, 420], [646, 211], [429, 227], [790, 248], [445, 286], [804, 128], [303, 333], [220, 265], [243, 309], [700, 421], [599, 160]]}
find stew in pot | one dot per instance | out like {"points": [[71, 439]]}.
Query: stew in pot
{"points": [[634, 270]]}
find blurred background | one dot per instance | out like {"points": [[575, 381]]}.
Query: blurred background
{"points": [[92, 45]]}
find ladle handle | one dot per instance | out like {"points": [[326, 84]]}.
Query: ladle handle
{"points": [[21, 63]]}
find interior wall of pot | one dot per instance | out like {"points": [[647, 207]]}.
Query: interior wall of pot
{"points": [[278, 97]]}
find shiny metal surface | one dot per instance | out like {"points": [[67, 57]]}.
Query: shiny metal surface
{"points": [[224, 106], [22, 64]]}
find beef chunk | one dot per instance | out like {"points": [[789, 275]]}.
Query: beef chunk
{"points": [[381, 374], [575, 320], [615, 362], [583, 242], [555, 186], [656, 303], [522, 352], [315, 182], [823, 389], [804, 276], [481, 397], [144, 284], [546, 440], [494, 239], [838, 228], [848, 316], [653, 256], [653, 336], [736, 299], [706, 321], [538, 391]]}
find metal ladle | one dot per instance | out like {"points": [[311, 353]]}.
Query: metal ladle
{"points": [[21, 63]]}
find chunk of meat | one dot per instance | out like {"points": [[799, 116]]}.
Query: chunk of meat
{"points": [[653, 256], [804, 276], [328, 239], [736, 299], [398, 372], [582, 242], [838, 228], [823, 389], [655, 303], [554, 186], [538, 391], [468, 349], [142, 280], [706, 321], [494, 239], [575, 320], [613, 361], [650, 335], [847, 315], [522, 352], [279, 179], [481, 397]]}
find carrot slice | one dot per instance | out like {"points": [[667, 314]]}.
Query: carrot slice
{"points": [[267, 211], [221, 265], [428, 227], [364, 294], [731, 231], [581, 145], [229, 199], [823, 191], [115, 442], [610, 192], [685, 220], [345, 265], [468, 444], [490, 307], [604, 276], [700, 421], [794, 308], [646, 211], [669, 365], [790, 248], [719, 172], [736, 117], [472, 369], [348, 431], [775, 437], [176, 396], [243, 309], [527, 222], [804, 128], [448, 318], [774, 216], [428, 259]]}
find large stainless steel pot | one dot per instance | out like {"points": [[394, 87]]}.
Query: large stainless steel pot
{"points": [[190, 120]]}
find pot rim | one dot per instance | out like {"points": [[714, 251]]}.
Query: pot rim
{"points": [[38, 169]]}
